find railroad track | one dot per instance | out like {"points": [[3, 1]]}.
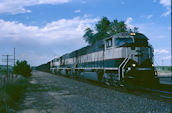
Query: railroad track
{"points": [[159, 91], [163, 93]]}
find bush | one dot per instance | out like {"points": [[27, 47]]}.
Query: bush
{"points": [[22, 68], [3, 71], [11, 93]]}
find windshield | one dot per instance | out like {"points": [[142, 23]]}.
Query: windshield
{"points": [[141, 42], [123, 42], [128, 42]]}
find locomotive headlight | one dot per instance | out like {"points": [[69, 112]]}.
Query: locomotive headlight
{"points": [[129, 68], [152, 65], [134, 65]]}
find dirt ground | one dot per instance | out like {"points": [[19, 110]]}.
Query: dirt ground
{"points": [[50, 93]]}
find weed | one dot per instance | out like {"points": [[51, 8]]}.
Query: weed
{"points": [[11, 93]]}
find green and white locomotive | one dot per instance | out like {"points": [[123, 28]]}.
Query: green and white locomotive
{"points": [[124, 57]]}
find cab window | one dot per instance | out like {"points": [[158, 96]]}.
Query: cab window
{"points": [[109, 43], [121, 42]]}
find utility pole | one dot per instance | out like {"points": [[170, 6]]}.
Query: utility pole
{"points": [[7, 60], [14, 56], [7, 65]]}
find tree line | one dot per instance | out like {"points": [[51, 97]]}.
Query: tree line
{"points": [[105, 28]]}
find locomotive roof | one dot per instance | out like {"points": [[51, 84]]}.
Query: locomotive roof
{"points": [[88, 49], [127, 35], [99, 45]]}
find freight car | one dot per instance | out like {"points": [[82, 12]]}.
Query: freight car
{"points": [[116, 60]]}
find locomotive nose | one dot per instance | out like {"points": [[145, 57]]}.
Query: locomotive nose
{"points": [[142, 54]]}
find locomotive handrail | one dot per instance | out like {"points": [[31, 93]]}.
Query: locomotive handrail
{"points": [[119, 71], [125, 61], [115, 68], [128, 58]]}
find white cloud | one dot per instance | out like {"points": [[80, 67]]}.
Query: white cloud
{"points": [[162, 57], [166, 13], [55, 38], [161, 51], [128, 22], [167, 58], [77, 11], [18, 6], [165, 2], [60, 29], [149, 16], [37, 57]]}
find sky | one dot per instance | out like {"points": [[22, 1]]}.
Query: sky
{"points": [[41, 30]]}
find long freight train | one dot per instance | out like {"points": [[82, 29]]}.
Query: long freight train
{"points": [[116, 60]]}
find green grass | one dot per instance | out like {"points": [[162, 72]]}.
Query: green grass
{"points": [[11, 93]]}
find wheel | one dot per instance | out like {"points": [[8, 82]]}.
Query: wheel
{"points": [[105, 79], [111, 81], [77, 73], [100, 74], [108, 80], [67, 73]]}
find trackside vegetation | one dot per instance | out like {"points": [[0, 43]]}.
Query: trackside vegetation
{"points": [[13, 87], [22, 68], [11, 93]]}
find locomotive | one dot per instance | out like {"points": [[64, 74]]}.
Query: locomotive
{"points": [[119, 59]]}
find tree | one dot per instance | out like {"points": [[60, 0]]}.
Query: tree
{"points": [[88, 36], [103, 25], [104, 28], [135, 29], [117, 27], [22, 68]]}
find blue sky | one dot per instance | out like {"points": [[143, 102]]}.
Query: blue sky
{"points": [[43, 29]]}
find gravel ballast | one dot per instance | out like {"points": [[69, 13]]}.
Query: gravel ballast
{"points": [[56, 94]]}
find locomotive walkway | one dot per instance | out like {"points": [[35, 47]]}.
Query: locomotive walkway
{"points": [[55, 94]]}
